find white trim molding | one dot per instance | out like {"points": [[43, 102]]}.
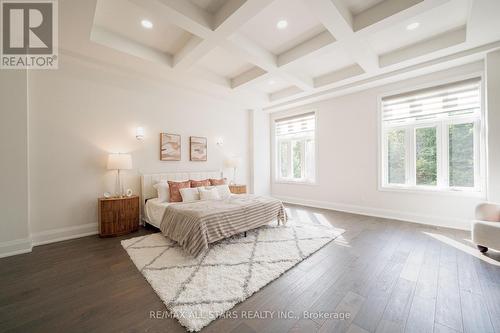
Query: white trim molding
{"points": [[62, 234], [16, 246], [382, 213], [25, 245]]}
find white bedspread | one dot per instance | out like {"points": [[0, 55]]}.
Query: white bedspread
{"points": [[154, 211]]}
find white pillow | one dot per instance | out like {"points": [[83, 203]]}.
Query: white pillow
{"points": [[209, 194], [189, 194], [163, 191], [224, 191]]}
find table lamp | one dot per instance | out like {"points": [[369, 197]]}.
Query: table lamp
{"points": [[119, 162], [234, 163]]}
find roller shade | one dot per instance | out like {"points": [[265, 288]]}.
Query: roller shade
{"points": [[295, 124], [456, 99]]}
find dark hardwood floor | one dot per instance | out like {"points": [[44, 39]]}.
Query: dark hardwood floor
{"points": [[386, 276]]}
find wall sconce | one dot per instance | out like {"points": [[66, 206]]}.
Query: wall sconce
{"points": [[139, 133], [219, 142]]}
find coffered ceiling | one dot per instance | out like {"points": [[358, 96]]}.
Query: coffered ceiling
{"points": [[242, 48]]}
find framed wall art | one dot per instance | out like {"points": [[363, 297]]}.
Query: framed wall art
{"points": [[197, 148], [170, 147]]}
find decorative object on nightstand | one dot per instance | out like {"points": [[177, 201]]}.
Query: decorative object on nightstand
{"points": [[119, 162], [238, 189], [118, 216], [234, 163]]}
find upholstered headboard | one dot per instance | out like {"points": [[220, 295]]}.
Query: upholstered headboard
{"points": [[148, 180]]}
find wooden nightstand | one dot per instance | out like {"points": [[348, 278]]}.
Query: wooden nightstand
{"points": [[118, 216], [238, 189]]}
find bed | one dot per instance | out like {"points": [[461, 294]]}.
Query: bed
{"points": [[195, 225], [150, 207]]}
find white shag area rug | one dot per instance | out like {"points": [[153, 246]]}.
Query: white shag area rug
{"points": [[198, 290]]}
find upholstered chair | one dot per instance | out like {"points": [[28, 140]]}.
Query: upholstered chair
{"points": [[486, 227]]}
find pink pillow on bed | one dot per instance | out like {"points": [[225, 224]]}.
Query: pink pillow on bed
{"points": [[214, 182], [200, 183], [175, 195]]}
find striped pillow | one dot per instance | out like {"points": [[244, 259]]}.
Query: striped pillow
{"points": [[175, 194]]}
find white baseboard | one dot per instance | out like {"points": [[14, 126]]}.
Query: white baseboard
{"points": [[382, 213], [16, 246], [25, 245], [62, 234]]}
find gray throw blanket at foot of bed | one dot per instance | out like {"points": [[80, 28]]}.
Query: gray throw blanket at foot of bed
{"points": [[194, 225]]}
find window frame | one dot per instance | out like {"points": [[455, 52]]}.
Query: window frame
{"points": [[276, 172], [442, 141]]}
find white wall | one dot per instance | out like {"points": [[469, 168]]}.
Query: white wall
{"points": [[493, 102], [260, 150], [348, 162], [14, 225], [81, 112]]}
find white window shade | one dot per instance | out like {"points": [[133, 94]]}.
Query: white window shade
{"points": [[295, 148], [295, 125], [458, 99]]}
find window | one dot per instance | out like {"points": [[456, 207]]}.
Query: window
{"points": [[431, 138], [295, 148]]}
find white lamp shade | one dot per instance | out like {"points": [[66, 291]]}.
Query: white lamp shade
{"points": [[233, 162], [119, 162]]}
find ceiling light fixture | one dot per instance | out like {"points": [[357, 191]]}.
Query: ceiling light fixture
{"points": [[412, 26], [147, 24], [282, 24]]}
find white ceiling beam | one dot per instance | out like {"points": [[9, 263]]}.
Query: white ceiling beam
{"points": [[437, 43], [349, 30], [283, 93], [422, 68], [391, 12], [227, 10], [250, 76], [362, 53], [334, 16], [182, 14], [192, 52], [310, 47], [381, 11], [253, 53], [193, 48], [235, 13], [337, 19], [483, 16], [190, 10], [338, 75], [228, 20], [118, 42]]}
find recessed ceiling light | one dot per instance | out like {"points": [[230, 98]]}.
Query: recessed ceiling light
{"points": [[147, 24], [282, 24], [412, 26]]}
